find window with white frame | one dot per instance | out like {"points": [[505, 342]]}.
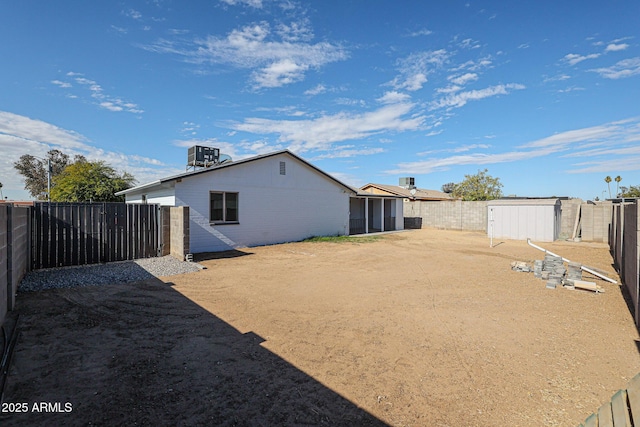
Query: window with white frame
{"points": [[223, 207]]}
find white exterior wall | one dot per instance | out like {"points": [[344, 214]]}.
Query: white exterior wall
{"points": [[520, 222], [161, 196], [273, 208]]}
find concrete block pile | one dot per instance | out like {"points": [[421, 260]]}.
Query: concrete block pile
{"points": [[553, 270]]}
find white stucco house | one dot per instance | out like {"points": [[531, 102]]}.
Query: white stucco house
{"points": [[267, 199]]}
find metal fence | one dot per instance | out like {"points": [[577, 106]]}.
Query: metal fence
{"points": [[65, 234], [623, 244]]}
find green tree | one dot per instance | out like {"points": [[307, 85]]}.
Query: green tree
{"points": [[448, 187], [480, 186], [34, 170], [618, 179], [633, 191], [607, 179], [85, 181]]}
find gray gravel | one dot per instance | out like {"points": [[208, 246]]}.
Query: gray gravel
{"points": [[105, 274]]}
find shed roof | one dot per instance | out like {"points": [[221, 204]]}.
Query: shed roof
{"points": [[523, 202]]}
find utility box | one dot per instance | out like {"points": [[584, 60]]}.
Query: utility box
{"points": [[201, 156], [522, 219]]}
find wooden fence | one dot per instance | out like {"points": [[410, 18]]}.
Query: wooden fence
{"points": [[65, 234], [623, 410]]}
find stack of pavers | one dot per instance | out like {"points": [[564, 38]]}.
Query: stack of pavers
{"points": [[537, 268], [574, 272], [553, 270]]}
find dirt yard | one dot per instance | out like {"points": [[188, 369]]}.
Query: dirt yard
{"points": [[420, 328]]}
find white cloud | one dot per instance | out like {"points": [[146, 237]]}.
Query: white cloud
{"points": [[449, 89], [279, 74], [22, 135], [574, 58], [61, 84], [119, 30], [133, 14], [612, 47], [252, 3], [606, 166], [189, 128], [463, 79], [523, 46], [276, 59], [393, 97], [469, 44], [418, 33], [558, 78], [434, 132], [321, 133], [103, 100], [466, 148], [570, 89], [317, 90], [471, 65], [415, 68], [296, 31], [456, 100], [571, 143], [340, 153], [625, 68]]}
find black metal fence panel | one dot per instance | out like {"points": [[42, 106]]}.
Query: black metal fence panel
{"points": [[66, 234]]}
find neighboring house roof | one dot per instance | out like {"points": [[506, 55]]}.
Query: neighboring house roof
{"points": [[229, 165], [360, 194], [420, 194]]}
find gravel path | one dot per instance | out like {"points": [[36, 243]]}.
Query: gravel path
{"points": [[105, 274]]}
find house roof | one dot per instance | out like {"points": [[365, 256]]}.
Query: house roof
{"points": [[420, 194], [229, 165], [360, 194], [524, 202]]}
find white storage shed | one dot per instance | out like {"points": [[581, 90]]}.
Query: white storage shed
{"points": [[521, 219]]}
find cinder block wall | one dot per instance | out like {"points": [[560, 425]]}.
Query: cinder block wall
{"points": [[175, 231], [449, 215], [569, 210], [596, 220]]}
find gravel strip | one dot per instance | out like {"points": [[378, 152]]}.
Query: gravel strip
{"points": [[105, 274]]}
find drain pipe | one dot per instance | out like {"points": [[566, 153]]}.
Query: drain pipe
{"points": [[587, 269]]}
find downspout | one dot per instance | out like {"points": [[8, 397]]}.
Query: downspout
{"points": [[587, 269]]}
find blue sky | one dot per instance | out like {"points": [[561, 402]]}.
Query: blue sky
{"points": [[544, 94]]}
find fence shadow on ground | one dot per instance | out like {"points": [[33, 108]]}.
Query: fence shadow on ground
{"points": [[144, 354]]}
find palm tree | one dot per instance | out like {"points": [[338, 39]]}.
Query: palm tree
{"points": [[618, 179], [1, 197], [608, 180]]}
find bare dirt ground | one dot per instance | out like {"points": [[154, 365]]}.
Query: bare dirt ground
{"points": [[421, 328]]}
